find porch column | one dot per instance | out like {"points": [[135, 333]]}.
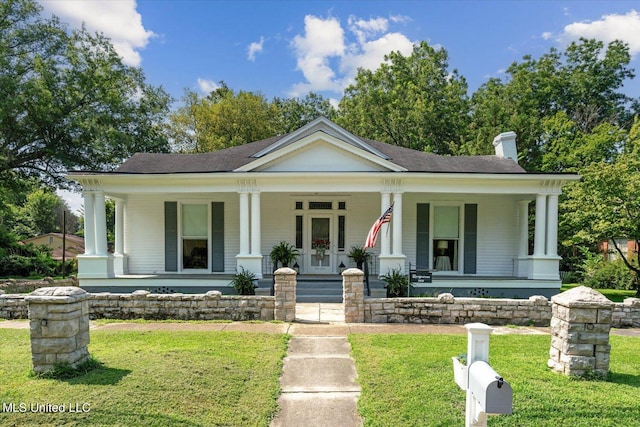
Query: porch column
{"points": [[523, 226], [255, 223], [385, 200], [397, 224], [244, 223], [100, 224], [89, 224], [119, 223], [552, 225], [541, 226], [119, 257]]}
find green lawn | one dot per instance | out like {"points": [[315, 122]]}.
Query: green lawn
{"points": [[152, 379], [407, 380], [615, 295]]}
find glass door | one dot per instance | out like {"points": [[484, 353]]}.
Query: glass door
{"points": [[320, 257]]}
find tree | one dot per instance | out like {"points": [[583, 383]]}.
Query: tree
{"points": [[411, 101], [578, 88], [293, 113], [605, 206], [220, 120], [67, 100]]}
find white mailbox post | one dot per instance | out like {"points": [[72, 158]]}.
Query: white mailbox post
{"points": [[487, 392]]}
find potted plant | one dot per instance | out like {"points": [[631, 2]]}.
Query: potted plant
{"points": [[397, 283], [283, 253], [244, 282], [460, 370], [359, 255]]}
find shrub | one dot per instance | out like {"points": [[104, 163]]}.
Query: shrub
{"points": [[397, 283], [599, 273], [244, 282]]}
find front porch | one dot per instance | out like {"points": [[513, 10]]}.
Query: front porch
{"points": [[326, 288]]}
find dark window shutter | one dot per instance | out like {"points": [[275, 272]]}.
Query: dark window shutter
{"points": [[217, 236], [171, 236], [470, 238], [422, 236]]}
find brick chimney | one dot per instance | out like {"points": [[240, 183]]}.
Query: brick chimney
{"points": [[505, 145]]}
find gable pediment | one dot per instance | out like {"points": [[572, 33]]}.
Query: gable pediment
{"points": [[320, 152]]}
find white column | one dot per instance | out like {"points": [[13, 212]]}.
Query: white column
{"points": [[255, 223], [552, 225], [541, 226], [89, 224], [397, 223], [244, 223], [523, 227], [100, 224], [383, 235], [119, 223]]}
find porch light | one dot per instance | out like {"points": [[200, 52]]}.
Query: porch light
{"points": [[296, 267], [342, 267]]}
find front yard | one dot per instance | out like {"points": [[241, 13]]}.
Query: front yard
{"points": [[151, 379], [230, 378]]}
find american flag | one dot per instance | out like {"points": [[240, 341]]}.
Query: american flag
{"points": [[375, 228]]}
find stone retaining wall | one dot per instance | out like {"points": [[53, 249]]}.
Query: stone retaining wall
{"points": [[212, 306], [445, 308]]}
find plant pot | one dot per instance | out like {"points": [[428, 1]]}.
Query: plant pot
{"points": [[460, 373]]}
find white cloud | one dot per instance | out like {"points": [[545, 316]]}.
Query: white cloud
{"points": [[207, 86], [364, 30], [329, 60], [608, 28], [118, 20], [547, 35], [323, 40], [254, 48]]}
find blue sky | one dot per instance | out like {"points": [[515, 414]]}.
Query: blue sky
{"points": [[288, 48]]}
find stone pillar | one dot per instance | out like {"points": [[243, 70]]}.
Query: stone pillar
{"points": [[59, 322], [580, 325], [285, 293], [353, 295]]}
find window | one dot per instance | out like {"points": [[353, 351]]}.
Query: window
{"points": [[341, 232], [299, 206], [446, 237], [321, 205], [299, 219], [195, 237]]}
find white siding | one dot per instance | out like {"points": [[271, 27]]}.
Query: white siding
{"points": [[144, 230], [497, 230]]}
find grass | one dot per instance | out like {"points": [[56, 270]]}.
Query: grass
{"points": [[408, 380], [615, 295], [152, 379]]}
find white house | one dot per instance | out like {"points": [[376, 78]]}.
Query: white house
{"points": [[189, 221]]}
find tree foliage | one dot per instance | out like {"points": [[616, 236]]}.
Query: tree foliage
{"points": [[411, 101], [566, 93], [67, 100], [226, 118], [605, 206]]}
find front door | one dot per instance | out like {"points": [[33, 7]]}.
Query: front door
{"points": [[320, 258]]}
